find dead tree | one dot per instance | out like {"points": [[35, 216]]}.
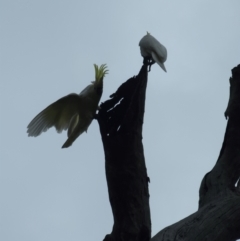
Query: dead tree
{"points": [[120, 120], [218, 216]]}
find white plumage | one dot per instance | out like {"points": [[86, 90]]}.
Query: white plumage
{"points": [[152, 49], [73, 112]]}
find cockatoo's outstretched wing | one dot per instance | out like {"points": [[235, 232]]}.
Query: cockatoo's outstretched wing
{"points": [[59, 114], [152, 48], [73, 112]]}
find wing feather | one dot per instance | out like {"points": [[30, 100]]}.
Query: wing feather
{"points": [[73, 123], [58, 114], [159, 61], [158, 48]]}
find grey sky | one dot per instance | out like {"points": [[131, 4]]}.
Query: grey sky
{"points": [[48, 49]]}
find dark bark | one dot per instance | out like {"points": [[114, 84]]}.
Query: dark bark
{"points": [[218, 216], [120, 120]]}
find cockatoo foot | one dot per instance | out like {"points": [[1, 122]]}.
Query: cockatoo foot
{"points": [[149, 62]]}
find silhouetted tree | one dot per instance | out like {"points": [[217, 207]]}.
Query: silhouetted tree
{"points": [[218, 216]]}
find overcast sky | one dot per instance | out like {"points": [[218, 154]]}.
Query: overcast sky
{"points": [[47, 51]]}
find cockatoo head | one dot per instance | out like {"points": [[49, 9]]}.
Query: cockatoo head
{"points": [[100, 73]]}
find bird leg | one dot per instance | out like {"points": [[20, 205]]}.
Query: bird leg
{"points": [[149, 62]]}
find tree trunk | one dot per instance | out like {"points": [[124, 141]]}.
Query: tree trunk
{"points": [[218, 216], [120, 120]]}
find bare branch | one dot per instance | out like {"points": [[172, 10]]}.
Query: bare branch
{"points": [[218, 216], [222, 179]]}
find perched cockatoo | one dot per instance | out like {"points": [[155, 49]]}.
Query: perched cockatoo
{"points": [[73, 112], [152, 51]]}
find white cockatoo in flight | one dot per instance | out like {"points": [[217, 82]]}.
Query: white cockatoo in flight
{"points": [[152, 51], [73, 112]]}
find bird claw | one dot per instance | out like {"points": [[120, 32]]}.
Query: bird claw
{"points": [[148, 61]]}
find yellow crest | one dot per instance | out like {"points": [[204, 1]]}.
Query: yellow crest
{"points": [[100, 72]]}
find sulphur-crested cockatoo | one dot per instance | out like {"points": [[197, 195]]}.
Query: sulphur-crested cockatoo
{"points": [[73, 112], [153, 51]]}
